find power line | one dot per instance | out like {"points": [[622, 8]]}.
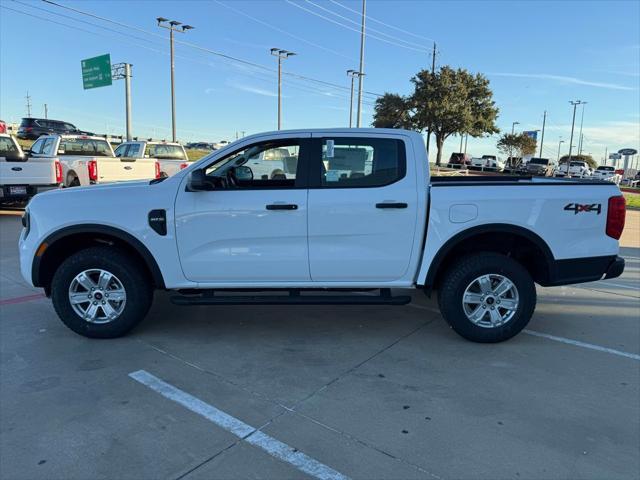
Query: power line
{"points": [[273, 27], [421, 50], [383, 23], [368, 29], [208, 50]]}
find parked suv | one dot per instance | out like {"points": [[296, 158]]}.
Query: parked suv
{"points": [[33, 128]]}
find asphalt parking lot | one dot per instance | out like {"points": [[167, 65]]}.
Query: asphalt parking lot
{"points": [[325, 392]]}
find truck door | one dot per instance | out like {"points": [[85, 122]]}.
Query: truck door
{"points": [[362, 209], [248, 229]]}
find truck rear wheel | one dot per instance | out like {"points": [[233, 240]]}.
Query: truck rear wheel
{"points": [[487, 297], [101, 292]]}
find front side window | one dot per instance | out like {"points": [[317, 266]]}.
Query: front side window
{"points": [[362, 162], [264, 165]]}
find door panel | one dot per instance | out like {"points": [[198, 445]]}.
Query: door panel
{"points": [[359, 231]]}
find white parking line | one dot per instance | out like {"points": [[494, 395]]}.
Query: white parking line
{"points": [[606, 283], [577, 343], [249, 434]]}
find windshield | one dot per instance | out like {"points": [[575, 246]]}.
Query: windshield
{"points": [[85, 147], [166, 152]]}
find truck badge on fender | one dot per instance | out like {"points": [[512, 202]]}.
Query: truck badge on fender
{"points": [[576, 208]]}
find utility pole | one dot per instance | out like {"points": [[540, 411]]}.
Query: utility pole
{"points": [[433, 72], [560, 142], [46, 111], [581, 122], [172, 26], [544, 121], [605, 155], [28, 97], [361, 69], [281, 54], [353, 74], [120, 71], [573, 123], [513, 127]]}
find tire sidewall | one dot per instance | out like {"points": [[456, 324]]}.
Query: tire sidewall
{"points": [[467, 270], [136, 286]]}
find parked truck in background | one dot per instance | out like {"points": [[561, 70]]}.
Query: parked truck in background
{"points": [[171, 157], [21, 176], [338, 227], [608, 173], [88, 160]]}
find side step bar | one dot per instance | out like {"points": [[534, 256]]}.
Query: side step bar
{"points": [[294, 298]]}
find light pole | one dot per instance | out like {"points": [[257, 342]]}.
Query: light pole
{"points": [[281, 54], [361, 68], [172, 26], [581, 122], [544, 121], [353, 75], [123, 71], [513, 127], [573, 123], [559, 144]]}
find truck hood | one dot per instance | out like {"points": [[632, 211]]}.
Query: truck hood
{"points": [[116, 188]]}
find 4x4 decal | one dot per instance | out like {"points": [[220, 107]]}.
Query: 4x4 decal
{"points": [[576, 208]]}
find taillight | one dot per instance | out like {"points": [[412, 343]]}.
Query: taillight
{"points": [[157, 169], [183, 165], [93, 170], [28, 129], [615, 216], [58, 168]]}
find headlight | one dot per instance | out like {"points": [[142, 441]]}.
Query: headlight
{"points": [[26, 223]]}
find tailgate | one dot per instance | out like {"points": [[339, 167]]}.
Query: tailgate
{"points": [[32, 172], [123, 169]]}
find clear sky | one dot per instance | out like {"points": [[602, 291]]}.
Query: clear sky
{"points": [[538, 56]]}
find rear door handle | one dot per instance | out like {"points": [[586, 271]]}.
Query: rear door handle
{"points": [[282, 206], [391, 205]]}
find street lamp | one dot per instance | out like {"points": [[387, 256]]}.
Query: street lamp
{"points": [[580, 142], [353, 74], [513, 126], [281, 54], [172, 26], [573, 122], [559, 144]]}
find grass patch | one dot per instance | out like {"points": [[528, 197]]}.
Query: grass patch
{"points": [[633, 200], [197, 154]]}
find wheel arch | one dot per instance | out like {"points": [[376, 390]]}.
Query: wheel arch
{"points": [[518, 242], [63, 242]]}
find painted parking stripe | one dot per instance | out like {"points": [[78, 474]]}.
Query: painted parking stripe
{"points": [[577, 343], [246, 432], [26, 298], [619, 285]]}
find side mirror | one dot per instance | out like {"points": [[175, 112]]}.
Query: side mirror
{"points": [[198, 181], [244, 173]]}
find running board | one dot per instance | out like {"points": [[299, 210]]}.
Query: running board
{"points": [[294, 298]]}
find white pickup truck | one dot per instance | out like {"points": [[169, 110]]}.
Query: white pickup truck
{"points": [[577, 168], [22, 177], [171, 157], [341, 225], [88, 160], [608, 173]]}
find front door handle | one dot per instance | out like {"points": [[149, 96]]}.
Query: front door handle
{"points": [[282, 206], [391, 205]]}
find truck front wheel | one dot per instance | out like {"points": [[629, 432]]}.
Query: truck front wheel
{"points": [[487, 297], [101, 292]]}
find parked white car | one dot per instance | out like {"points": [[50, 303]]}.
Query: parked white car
{"points": [[22, 177], [360, 211], [608, 173], [488, 162], [88, 160], [577, 168], [171, 157]]}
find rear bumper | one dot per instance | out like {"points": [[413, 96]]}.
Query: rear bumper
{"points": [[580, 270]]}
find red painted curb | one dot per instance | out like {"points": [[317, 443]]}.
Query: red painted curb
{"points": [[26, 298]]}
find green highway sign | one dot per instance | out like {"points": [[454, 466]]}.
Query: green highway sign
{"points": [[96, 71]]}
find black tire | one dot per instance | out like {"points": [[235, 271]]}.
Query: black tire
{"points": [[130, 273], [72, 181], [460, 275]]}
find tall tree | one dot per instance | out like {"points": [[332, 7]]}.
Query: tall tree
{"points": [[516, 145], [448, 102], [392, 111]]}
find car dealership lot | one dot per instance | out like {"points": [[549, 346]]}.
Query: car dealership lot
{"points": [[360, 392]]}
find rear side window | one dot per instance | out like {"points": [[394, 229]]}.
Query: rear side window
{"points": [[361, 162]]}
